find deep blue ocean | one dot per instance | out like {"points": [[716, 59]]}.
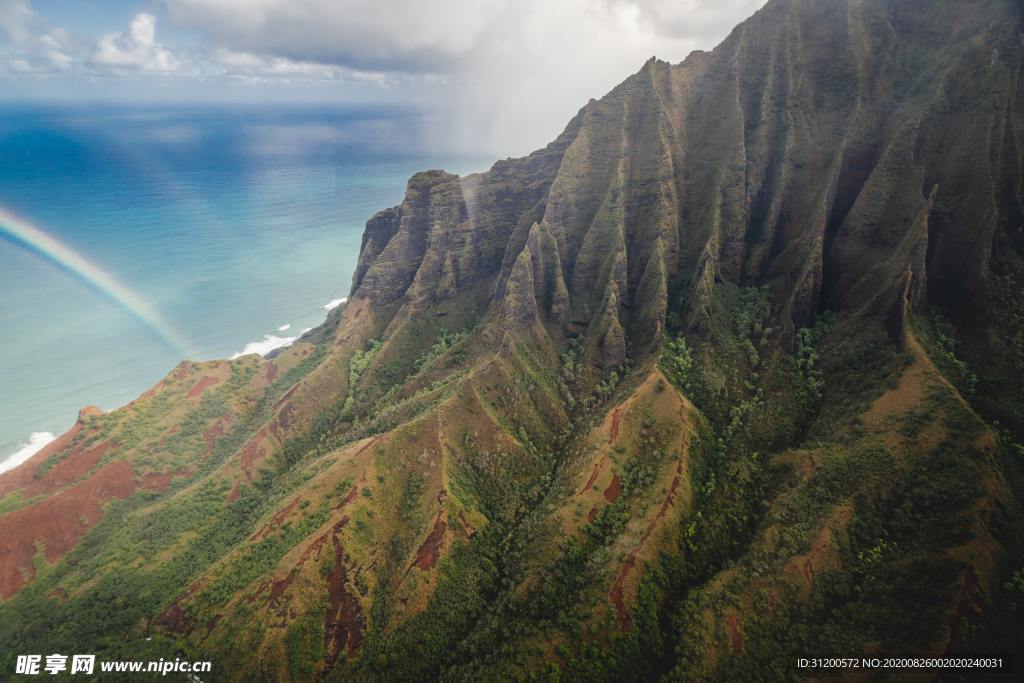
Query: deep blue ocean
{"points": [[231, 222]]}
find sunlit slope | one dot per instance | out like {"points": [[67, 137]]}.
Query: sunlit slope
{"points": [[727, 372]]}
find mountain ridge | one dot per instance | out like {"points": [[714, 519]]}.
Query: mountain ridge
{"points": [[717, 376]]}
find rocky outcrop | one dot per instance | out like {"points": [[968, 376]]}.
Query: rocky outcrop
{"points": [[800, 155], [481, 441]]}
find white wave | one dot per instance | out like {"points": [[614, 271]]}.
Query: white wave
{"points": [[334, 303], [284, 328], [264, 346], [35, 443]]}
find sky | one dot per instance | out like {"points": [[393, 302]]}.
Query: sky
{"points": [[501, 75]]}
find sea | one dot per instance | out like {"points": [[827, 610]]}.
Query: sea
{"points": [[235, 228]]}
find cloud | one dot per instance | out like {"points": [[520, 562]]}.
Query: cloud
{"points": [[137, 50], [500, 75], [255, 67], [35, 48], [371, 35], [495, 77]]}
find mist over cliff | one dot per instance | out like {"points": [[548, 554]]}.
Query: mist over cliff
{"points": [[726, 373]]}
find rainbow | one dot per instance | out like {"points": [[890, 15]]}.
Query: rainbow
{"points": [[35, 240]]}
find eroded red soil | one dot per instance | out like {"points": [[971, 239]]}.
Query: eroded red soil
{"points": [[156, 481], [204, 383], [616, 593], [593, 478], [22, 476], [251, 454], [175, 618], [344, 621], [616, 418], [426, 556], [57, 522], [732, 624], [73, 467], [611, 494], [216, 431], [277, 520]]}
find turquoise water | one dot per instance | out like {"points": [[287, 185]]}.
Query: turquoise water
{"points": [[231, 223]]}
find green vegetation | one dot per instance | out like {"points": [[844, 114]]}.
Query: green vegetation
{"points": [[446, 341], [357, 366], [389, 499], [808, 363], [677, 362], [941, 334]]}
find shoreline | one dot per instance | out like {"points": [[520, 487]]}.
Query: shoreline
{"points": [[271, 344]]}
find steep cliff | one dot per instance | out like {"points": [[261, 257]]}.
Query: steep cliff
{"points": [[729, 372]]}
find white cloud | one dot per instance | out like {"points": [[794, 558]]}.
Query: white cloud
{"points": [[36, 48], [137, 50], [391, 35], [255, 67], [501, 75], [495, 76]]}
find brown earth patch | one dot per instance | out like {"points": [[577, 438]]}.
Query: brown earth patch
{"points": [[344, 621], [271, 372], [821, 556], [593, 478], [732, 625], [611, 494], [58, 521], [286, 396], [212, 624], [467, 527], [23, 475], [204, 383], [276, 521], [175, 619], [613, 433], [284, 418], [216, 431], [155, 481], [251, 454], [182, 371], [279, 586], [233, 496], [260, 589], [426, 556], [349, 497], [616, 595], [592, 514], [73, 467]]}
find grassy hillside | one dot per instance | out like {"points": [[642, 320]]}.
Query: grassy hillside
{"points": [[727, 373]]}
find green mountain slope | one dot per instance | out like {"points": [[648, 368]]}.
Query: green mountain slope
{"points": [[728, 373]]}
